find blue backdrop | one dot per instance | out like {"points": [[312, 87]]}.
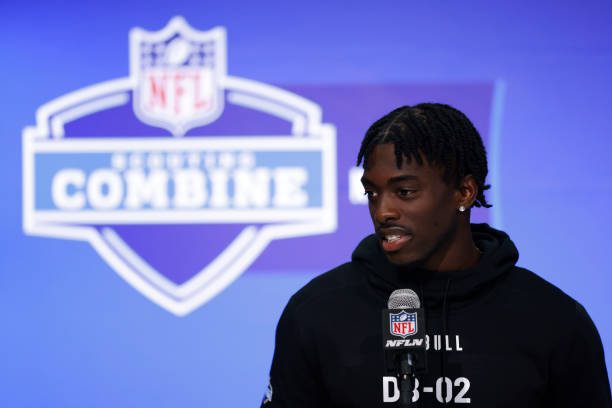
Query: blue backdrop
{"points": [[535, 77]]}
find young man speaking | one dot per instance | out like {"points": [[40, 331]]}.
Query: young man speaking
{"points": [[497, 334]]}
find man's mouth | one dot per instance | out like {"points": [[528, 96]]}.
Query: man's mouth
{"points": [[393, 241]]}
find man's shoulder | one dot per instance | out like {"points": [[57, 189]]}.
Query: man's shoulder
{"points": [[544, 299], [330, 286], [536, 282]]}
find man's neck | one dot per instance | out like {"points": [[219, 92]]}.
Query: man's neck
{"points": [[460, 252]]}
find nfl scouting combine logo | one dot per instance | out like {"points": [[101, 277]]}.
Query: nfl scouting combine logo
{"points": [[179, 175]]}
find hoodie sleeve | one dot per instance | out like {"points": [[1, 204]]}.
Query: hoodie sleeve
{"points": [[294, 376], [578, 370]]}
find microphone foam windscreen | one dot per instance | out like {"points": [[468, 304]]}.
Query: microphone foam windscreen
{"points": [[403, 299]]}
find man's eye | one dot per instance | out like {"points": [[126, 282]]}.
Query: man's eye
{"points": [[370, 194], [405, 192]]}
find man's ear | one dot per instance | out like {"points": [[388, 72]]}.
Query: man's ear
{"points": [[467, 192]]}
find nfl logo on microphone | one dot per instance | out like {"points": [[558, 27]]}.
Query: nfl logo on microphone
{"points": [[403, 324]]}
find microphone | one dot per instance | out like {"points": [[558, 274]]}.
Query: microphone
{"points": [[403, 299], [403, 325]]}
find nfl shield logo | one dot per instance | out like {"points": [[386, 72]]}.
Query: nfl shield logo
{"points": [[403, 324], [178, 74]]}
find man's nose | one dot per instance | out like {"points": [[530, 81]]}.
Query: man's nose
{"points": [[385, 210]]}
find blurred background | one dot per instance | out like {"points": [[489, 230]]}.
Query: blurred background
{"points": [[534, 78]]}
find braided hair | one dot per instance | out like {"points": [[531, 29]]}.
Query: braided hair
{"points": [[437, 132]]}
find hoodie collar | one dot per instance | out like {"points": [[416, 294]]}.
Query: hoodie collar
{"points": [[499, 255]]}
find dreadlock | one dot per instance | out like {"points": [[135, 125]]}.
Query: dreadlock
{"points": [[441, 134]]}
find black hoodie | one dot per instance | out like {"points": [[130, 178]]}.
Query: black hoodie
{"points": [[498, 336]]}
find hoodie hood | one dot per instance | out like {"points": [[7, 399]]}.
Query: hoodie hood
{"points": [[499, 256]]}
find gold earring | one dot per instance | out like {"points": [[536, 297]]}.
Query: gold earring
{"points": [[461, 208]]}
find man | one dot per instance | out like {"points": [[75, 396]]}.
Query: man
{"points": [[498, 335]]}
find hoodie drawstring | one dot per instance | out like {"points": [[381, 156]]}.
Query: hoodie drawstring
{"points": [[444, 326], [421, 295]]}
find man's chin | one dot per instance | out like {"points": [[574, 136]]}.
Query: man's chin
{"points": [[403, 260]]}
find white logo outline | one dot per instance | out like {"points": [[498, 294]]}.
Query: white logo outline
{"points": [[307, 128]]}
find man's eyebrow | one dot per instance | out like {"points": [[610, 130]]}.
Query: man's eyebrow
{"points": [[404, 177], [396, 179]]}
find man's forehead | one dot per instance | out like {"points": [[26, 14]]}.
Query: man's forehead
{"points": [[388, 153], [383, 163], [385, 158], [393, 179]]}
